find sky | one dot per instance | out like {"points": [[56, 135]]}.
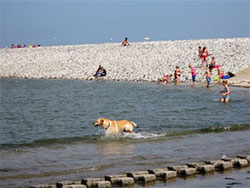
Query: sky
{"points": [[67, 22]]}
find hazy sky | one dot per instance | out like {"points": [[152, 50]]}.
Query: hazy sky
{"points": [[55, 22]]}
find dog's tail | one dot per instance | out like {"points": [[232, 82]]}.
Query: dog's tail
{"points": [[134, 124]]}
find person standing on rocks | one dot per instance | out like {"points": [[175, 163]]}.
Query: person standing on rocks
{"points": [[204, 55], [200, 52], [212, 64]]}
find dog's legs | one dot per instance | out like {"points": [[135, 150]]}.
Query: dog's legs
{"points": [[128, 130], [116, 127]]}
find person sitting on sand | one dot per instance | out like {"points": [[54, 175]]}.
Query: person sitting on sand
{"points": [[221, 75], [165, 79], [208, 76], [193, 72], [227, 76], [225, 93], [100, 72], [177, 74], [125, 42]]}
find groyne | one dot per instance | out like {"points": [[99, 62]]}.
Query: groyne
{"points": [[151, 175], [141, 61]]}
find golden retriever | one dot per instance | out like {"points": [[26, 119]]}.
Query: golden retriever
{"points": [[115, 127]]}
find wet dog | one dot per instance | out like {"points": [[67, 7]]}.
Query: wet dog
{"points": [[115, 127]]}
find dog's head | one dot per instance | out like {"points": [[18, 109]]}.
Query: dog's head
{"points": [[102, 122]]}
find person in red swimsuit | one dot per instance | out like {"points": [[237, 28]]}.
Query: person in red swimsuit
{"points": [[204, 55], [164, 79]]}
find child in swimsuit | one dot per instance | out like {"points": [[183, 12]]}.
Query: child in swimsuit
{"points": [[212, 64], [164, 79], [225, 93], [219, 75], [193, 72], [177, 74], [208, 76]]}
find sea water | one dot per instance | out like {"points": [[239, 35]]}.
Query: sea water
{"points": [[47, 133]]}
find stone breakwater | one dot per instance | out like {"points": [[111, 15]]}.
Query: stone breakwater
{"points": [[146, 177], [141, 61]]}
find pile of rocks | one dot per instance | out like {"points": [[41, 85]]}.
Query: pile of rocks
{"points": [[141, 61]]}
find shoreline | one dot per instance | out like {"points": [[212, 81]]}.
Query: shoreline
{"points": [[139, 62], [236, 82]]}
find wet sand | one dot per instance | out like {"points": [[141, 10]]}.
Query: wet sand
{"points": [[241, 79]]}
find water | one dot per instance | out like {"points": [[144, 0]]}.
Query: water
{"points": [[47, 133]]}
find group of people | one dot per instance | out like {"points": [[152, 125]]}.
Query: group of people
{"points": [[203, 55], [23, 46], [177, 76], [220, 75]]}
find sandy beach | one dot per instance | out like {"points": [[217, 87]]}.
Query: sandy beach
{"points": [[141, 61], [241, 79]]}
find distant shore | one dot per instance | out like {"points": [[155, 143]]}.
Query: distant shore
{"points": [[141, 61]]}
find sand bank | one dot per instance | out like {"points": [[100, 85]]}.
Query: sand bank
{"points": [[241, 78], [141, 61]]}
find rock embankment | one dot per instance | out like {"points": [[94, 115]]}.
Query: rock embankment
{"points": [[141, 61]]}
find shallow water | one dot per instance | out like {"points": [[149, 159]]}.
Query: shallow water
{"points": [[47, 133]]}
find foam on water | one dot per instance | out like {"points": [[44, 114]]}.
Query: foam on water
{"points": [[142, 135], [125, 137], [130, 136]]}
